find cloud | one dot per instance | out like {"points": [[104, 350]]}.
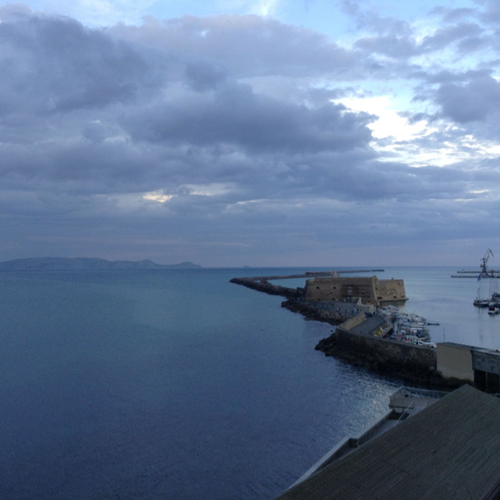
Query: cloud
{"points": [[53, 65], [246, 46], [491, 11], [214, 136], [473, 101], [236, 116]]}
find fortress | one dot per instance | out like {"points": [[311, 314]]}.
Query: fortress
{"points": [[370, 290]]}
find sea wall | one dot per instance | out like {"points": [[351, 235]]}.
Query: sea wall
{"points": [[269, 288], [413, 365], [390, 350], [332, 316]]}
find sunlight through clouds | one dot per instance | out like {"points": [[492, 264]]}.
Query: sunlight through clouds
{"points": [[388, 123], [158, 196], [265, 7]]}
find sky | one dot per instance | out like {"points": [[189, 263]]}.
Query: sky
{"points": [[251, 132]]}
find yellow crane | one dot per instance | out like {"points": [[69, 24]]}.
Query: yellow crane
{"points": [[484, 261]]}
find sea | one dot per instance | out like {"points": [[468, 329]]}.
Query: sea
{"points": [[177, 384]]}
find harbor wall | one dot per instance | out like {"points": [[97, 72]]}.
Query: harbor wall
{"points": [[269, 288], [387, 350]]}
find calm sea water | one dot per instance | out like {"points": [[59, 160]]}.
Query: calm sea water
{"points": [[179, 385]]}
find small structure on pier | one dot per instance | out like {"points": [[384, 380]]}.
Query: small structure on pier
{"points": [[475, 365], [370, 290]]}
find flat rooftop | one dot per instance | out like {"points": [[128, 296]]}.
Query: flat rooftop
{"points": [[448, 451]]}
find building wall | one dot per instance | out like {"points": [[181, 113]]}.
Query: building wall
{"points": [[455, 361], [354, 321], [369, 289]]}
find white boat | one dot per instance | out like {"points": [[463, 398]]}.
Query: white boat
{"points": [[480, 302]]}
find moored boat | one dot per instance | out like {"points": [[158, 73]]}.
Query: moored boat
{"points": [[493, 309]]}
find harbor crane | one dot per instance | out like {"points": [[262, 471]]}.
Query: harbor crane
{"points": [[484, 272], [484, 261]]}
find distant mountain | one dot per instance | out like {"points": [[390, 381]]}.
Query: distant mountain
{"points": [[81, 263]]}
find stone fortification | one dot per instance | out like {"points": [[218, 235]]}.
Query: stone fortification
{"points": [[370, 290], [390, 291]]}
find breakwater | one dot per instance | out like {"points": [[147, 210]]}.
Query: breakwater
{"points": [[269, 288], [408, 363], [413, 365], [312, 312]]}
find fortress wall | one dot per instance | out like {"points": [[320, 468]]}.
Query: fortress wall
{"points": [[390, 290], [370, 289], [332, 289]]}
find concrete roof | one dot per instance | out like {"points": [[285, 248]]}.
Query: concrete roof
{"points": [[450, 450]]}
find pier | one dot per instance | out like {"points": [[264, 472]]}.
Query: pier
{"points": [[311, 274]]}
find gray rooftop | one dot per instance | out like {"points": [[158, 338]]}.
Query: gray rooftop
{"points": [[451, 450]]}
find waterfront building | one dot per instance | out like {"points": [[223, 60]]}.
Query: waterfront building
{"points": [[449, 450]]}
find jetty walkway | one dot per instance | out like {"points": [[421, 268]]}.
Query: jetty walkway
{"points": [[311, 274]]}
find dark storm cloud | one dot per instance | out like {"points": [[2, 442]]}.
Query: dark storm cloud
{"points": [[235, 115], [473, 101], [91, 115], [56, 65], [202, 76], [246, 45]]}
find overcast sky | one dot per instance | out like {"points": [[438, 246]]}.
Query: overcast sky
{"points": [[261, 133]]}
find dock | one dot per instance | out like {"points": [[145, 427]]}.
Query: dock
{"points": [[311, 274]]}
